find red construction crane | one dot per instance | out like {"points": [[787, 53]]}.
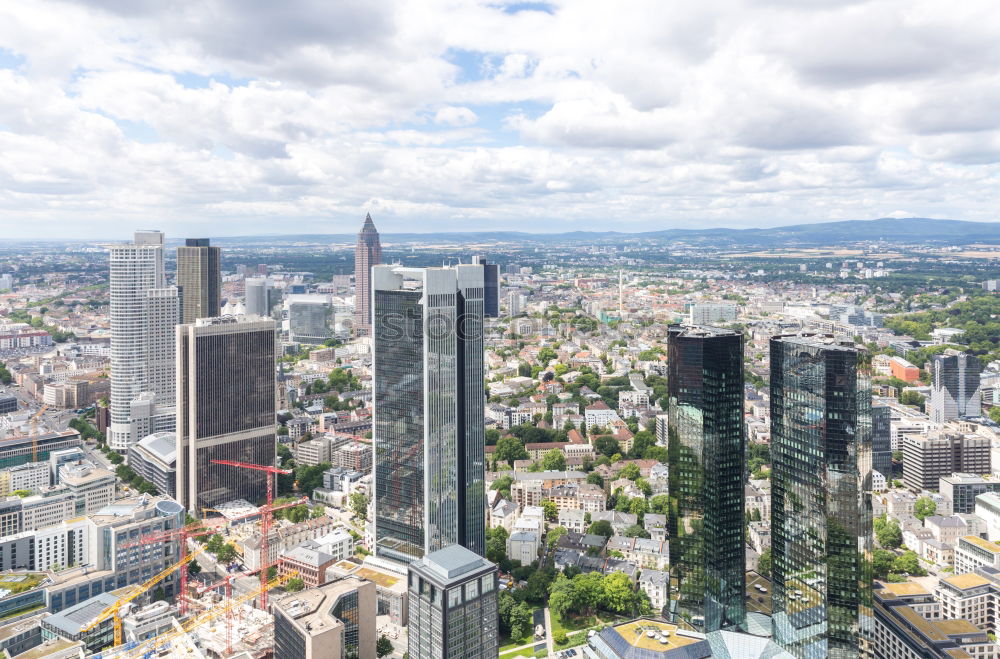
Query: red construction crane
{"points": [[265, 517]]}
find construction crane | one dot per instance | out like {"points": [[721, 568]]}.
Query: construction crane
{"points": [[114, 610], [34, 432], [150, 646], [265, 516]]}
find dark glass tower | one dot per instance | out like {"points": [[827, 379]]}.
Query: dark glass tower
{"points": [[707, 457], [429, 437], [199, 279], [821, 516], [882, 440], [367, 254], [491, 292]]}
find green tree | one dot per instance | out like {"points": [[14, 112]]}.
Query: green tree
{"points": [[618, 592], [562, 596], [889, 535], [520, 621], [882, 561], [629, 471], [496, 547], [294, 585], [502, 485], [912, 398], [551, 510], [601, 527], [908, 563], [226, 553], [553, 536], [659, 504], [554, 460], [359, 505], [607, 445], [510, 449], [595, 478], [383, 646], [636, 531], [193, 568], [924, 507], [764, 564]]}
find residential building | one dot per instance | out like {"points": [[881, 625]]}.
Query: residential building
{"points": [[367, 254], [143, 313], [333, 621], [821, 520], [972, 552], [226, 409], [656, 585], [901, 632], [92, 487], [712, 313], [707, 456], [308, 561], [955, 386], [199, 279], [523, 546], [599, 415], [428, 418], [453, 606], [927, 457]]}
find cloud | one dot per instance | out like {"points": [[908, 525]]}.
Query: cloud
{"points": [[467, 114]]}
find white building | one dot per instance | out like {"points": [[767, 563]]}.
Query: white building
{"points": [[523, 546], [712, 313], [656, 584]]}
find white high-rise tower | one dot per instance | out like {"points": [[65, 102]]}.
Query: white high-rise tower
{"points": [[144, 312]]}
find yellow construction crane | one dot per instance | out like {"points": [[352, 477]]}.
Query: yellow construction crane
{"points": [[149, 646], [34, 432], [114, 609]]}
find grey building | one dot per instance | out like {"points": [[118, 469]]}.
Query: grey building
{"points": [[155, 458], [955, 386], [8, 403], [491, 287], [226, 409], [962, 490], [428, 417], [367, 254], [821, 533], [707, 447], [928, 457], [453, 606], [882, 440], [309, 321], [199, 279], [333, 621], [261, 296]]}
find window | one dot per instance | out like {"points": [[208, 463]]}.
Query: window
{"points": [[471, 590], [454, 597]]}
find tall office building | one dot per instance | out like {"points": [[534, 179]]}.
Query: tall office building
{"points": [[367, 254], [334, 621], [491, 288], [955, 386], [429, 435], [143, 314], [257, 292], [514, 302], [453, 606], [707, 447], [882, 440], [821, 515], [225, 409], [199, 279]]}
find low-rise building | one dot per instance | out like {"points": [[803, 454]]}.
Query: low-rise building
{"points": [[154, 457], [308, 561], [973, 552], [656, 585]]}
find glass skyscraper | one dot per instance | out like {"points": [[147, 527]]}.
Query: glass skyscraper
{"points": [[706, 442], [821, 516], [428, 423], [199, 278]]}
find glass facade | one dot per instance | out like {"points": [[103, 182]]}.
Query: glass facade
{"points": [[429, 434], [706, 459], [882, 440], [821, 536], [399, 424], [346, 610]]}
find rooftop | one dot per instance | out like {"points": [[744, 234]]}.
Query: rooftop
{"points": [[985, 545], [452, 561], [907, 588], [651, 634], [966, 581]]}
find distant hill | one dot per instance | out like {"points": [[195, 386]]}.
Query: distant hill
{"points": [[821, 233]]}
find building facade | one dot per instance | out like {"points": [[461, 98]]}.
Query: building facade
{"points": [[428, 418], [707, 447], [226, 409], [367, 254], [143, 314], [821, 534], [955, 386], [453, 606], [882, 440], [199, 278]]}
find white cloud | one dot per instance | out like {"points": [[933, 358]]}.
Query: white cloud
{"points": [[458, 114]]}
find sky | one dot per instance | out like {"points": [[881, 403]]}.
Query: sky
{"points": [[239, 117]]}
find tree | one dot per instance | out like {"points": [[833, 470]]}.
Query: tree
{"points": [[764, 564], [502, 485], [226, 553], [551, 511], [889, 534], [882, 561], [601, 527], [595, 478], [911, 398], [618, 592], [636, 531], [553, 537], [492, 437], [554, 460], [545, 355], [193, 568], [607, 445], [629, 471], [562, 596], [383, 646], [520, 621], [496, 547], [924, 507], [659, 504], [359, 505], [908, 563], [510, 449], [294, 585]]}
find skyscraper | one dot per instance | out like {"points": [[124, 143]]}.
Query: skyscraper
{"points": [[882, 440], [225, 410], [200, 279], [821, 515], [491, 288], [453, 606], [955, 386], [143, 314], [427, 354], [257, 292], [367, 254], [707, 448]]}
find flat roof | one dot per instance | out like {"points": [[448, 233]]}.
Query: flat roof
{"points": [[957, 627], [636, 634], [965, 581], [982, 544], [905, 588], [380, 578]]}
